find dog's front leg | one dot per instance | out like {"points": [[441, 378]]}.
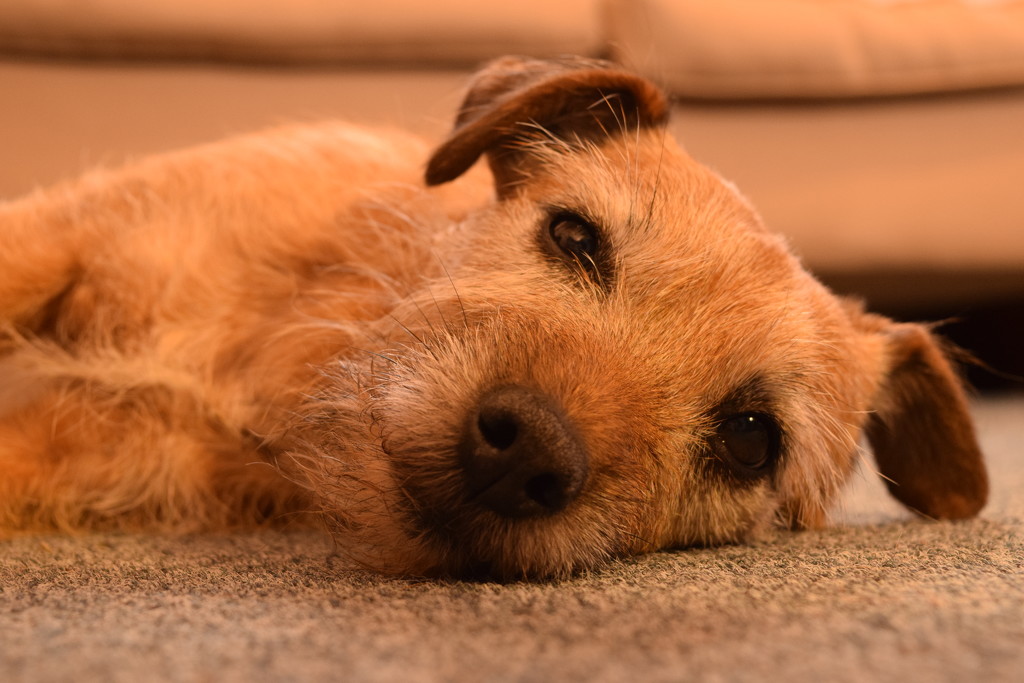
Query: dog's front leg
{"points": [[43, 241], [37, 259]]}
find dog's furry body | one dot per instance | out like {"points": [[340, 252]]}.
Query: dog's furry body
{"points": [[294, 321]]}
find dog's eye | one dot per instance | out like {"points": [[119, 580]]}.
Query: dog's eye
{"points": [[575, 238], [748, 442]]}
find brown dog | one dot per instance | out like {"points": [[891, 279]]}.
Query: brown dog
{"points": [[597, 351]]}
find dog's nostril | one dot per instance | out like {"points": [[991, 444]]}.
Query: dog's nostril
{"points": [[520, 456], [547, 490], [499, 431]]}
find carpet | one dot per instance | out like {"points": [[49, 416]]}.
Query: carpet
{"points": [[879, 597]]}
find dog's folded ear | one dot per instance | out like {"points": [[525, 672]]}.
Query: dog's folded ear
{"points": [[920, 428], [514, 101]]}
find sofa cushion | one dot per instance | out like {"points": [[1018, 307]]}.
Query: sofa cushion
{"points": [[409, 31], [815, 48]]}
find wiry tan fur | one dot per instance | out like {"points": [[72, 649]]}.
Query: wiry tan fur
{"points": [[293, 322]]}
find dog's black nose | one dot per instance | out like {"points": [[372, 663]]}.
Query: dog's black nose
{"points": [[520, 455]]}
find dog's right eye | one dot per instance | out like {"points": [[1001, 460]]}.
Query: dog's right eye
{"points": [[576, 239], [748, 442]]}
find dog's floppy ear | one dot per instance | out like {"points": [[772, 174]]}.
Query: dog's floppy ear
{"points": [[920, 428], [514, 99]]}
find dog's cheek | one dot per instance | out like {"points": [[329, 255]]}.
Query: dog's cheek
{"points": [[820, 454], [699, 505], [419, 415]]}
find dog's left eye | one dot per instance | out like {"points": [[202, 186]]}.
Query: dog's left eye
{"points": [[576, 238], [748, 442]]}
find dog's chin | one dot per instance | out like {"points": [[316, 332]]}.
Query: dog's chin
{"points": [[467, 544], [474, 544], [459, 538]]}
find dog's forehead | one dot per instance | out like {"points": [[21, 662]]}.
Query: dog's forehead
{"points": [[674, 227], [694, 269], [651, 199]]}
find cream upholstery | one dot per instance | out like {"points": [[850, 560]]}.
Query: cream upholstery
{"points": [[825, 48], [462, 31]]}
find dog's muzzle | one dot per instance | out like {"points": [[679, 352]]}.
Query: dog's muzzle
{"points": [[520, 455]]}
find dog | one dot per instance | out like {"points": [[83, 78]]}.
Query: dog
{"points": [[590, 348]]}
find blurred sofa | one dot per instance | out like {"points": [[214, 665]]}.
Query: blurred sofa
{"points": [[884, 137]]}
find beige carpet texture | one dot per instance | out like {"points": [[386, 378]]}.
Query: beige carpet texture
{"points": [[881, 596]]}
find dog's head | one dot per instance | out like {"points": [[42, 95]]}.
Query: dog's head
{"points": [[622, 358]]}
